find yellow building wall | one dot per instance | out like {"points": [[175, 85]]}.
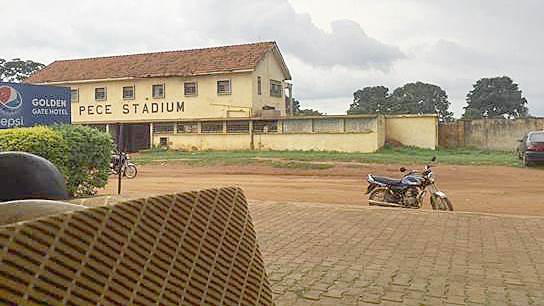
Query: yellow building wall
{"points": [[206, 104], [353, 142], [343, 142], [381, 129], [193, 142], [410, 130], [269, 68], [413, 130]]}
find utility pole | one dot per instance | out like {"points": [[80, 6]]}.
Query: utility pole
{"points": [[121, 149]]}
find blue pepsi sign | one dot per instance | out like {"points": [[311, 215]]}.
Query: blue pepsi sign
{"points": [[24, 105]]}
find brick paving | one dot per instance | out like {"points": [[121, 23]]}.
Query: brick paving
{"points": [[319, 254]]}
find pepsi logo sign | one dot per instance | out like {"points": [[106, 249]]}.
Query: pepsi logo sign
{"points": [[10, 99]]}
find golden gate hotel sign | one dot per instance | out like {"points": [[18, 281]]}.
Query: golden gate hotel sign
{"points": [[24, 105]]}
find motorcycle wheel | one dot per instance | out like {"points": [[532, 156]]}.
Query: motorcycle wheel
{"points": [[440, 203], [377, 195], [131, 171]]}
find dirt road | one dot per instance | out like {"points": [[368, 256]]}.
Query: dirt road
{"points": [[490, 189]]}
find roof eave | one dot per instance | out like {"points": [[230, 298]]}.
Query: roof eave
{"points": [[143, 77], [277, 54]]}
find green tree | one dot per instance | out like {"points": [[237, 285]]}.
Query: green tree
{"points": [[421, 98], [17, 70], [497, 97], [371, 100], [308, 112], [296, 106], [302, 112]]}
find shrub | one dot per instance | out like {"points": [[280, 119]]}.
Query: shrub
{"points": [[42, 141], [87, 158], [82, 154]]}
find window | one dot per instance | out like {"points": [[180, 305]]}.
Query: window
{"points": [[74, 93], [187, 127], [265, 126], [223, 87], [163, 142], [238, 127], [158, 91], [163, 127], [275, 88], [128, 92], [100, 93], [259, 86], [189, 88], [212, 127]]}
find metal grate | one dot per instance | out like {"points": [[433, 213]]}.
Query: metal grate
{"points": [[191, 248]]}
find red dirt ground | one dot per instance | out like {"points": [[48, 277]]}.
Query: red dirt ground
{"points": [[489, 189]]}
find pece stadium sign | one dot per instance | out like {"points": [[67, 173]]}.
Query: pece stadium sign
{"points": [[133, 108]]}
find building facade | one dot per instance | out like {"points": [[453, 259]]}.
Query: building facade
{"points": [[154, 92], [222, 98]]}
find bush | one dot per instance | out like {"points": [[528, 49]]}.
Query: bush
{"points": [[87, 158], [82, 154], [42, 141]]}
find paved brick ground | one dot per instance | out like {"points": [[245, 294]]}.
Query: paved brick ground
{"points": [[330, 255]]}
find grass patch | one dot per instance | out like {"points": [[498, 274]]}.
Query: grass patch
{"points": [[299, 165], [295, 159]]}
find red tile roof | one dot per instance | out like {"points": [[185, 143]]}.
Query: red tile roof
{"points": [[158, 64]]}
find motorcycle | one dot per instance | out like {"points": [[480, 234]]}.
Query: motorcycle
{"points": [[120, 164], [408, 192]]}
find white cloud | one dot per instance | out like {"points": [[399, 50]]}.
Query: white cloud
{"points": [[449, 43], [331, 48], [346, 44]]}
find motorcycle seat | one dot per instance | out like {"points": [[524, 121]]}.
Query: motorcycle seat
{"points": [[386, 180]]}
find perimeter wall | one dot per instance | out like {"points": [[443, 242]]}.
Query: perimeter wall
{"points": [[360, 133], [494, 134]]}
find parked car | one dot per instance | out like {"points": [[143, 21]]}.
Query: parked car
{"points": [[531, 148]]}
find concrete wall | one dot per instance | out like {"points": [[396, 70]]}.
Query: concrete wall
{"points": [[342, 142], [381, 129], [413, 130], [452, 134], [495, 134], [297, 126], [330, 133], [341, 133], [199, 142], [330, 124]]}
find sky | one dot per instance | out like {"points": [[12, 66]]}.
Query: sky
{"points": [[332, 48]]}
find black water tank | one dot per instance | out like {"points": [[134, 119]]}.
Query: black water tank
{"points": [[28, 176]]}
